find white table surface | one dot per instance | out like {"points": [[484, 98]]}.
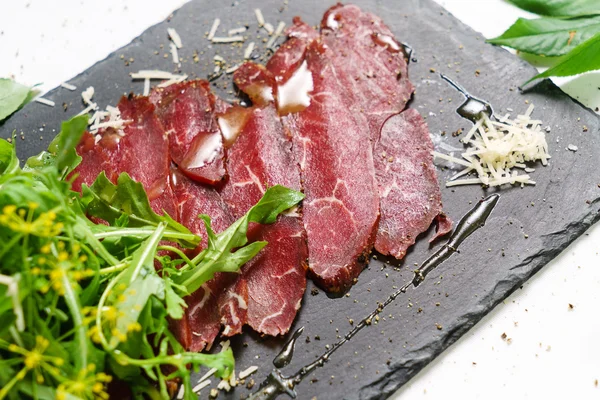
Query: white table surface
{"points": [[554, 351]]}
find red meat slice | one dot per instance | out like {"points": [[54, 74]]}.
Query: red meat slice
{"points": [[409, 190], [201, 323], [370, 63], [275, 279], [341, 207], [138, 149], [187, 111]]}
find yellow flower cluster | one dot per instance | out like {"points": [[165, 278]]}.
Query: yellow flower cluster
{"points": [[58, 264], [86, 385], [20, 220], [35, 359]]}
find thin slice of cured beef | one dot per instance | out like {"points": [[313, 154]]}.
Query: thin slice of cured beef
{"points": [[333, 148], [139, 148], [409, 191], [201, 323], [370, 63], [275, 279], [187, 111]]}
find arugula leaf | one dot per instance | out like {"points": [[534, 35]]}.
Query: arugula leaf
{"points": [[583, 58], [13, 96], [9, 162], [559, 8], [135, 286], [61, 152], [225, 252], [548, 36], [111, 202]]}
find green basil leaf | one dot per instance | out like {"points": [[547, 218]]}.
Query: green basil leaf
{"points": [[225, 252], [583, 58], [12, 96], [559, 8], [548, 36]]}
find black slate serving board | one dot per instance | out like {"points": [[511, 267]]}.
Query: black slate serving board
{"points": [[527, 229]]}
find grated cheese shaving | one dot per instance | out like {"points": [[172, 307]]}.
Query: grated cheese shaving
{"points": [[496, 149], [235, 31], [175, 37], [230, 39], [87, 95], [249, 50], [218, 58], [181, 392], [269, 28], [231, 70], [207, 375], [174, 53], [248, 371], [224, 385], [68, 86], [44, 101], [276, 35], [213, 28], [200, 386], [259, 17], [146, 87]]}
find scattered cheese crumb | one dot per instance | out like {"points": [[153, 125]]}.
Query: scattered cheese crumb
{"points": [[224, 385], [213, 28], [175, 37], [249, 50], [259, 17], [572, 147], [87, 95], [68, 86], [496, 148], [248, 371], [47, 102], [218, 58], [230, 39]]}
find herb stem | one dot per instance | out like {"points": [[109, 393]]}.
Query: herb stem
{"points": [[180, 253], [115, 268], [146, 232], [101, 302], [10, 244], [80, 332]]}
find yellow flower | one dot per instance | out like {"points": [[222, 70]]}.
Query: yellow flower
{"points": [[21, 221], [86, 385]]}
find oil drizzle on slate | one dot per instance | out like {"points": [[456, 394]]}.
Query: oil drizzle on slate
{"points": [[276, 383], [285, 355], [472, 108]]}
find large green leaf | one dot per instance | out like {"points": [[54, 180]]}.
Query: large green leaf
{"points": [[559, 8], [548, 36], [12, 96], [227, 252], [583, 58]]}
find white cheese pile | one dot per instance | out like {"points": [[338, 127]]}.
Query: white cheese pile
{"points": [[496, 150]]}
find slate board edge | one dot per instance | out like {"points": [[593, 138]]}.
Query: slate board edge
{"points": [[401, 372]]}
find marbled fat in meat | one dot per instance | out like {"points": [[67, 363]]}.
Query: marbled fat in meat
{"points": [[409, 191], [275, 279]]}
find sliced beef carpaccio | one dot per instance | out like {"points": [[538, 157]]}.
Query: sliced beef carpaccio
{"points": [[370, 64], [409, 191], [341, 208], [138, 149], [275, 279], [201, 323], [187, 111]]}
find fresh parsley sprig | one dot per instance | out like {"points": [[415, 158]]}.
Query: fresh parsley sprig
{"points": [[568, 28]]}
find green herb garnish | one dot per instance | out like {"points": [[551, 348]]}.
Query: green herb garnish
{"points": [[568, 28], [81, 304]]}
